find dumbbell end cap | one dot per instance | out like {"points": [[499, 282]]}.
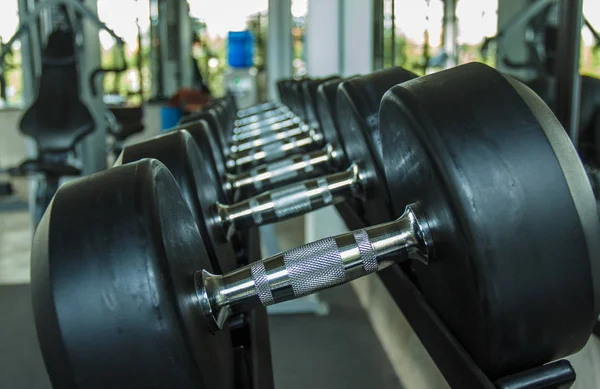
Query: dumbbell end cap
{"points": [[424, 249], [215, 320]]}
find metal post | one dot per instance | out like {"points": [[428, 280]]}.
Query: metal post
{"points": [[30, 56], [450, 33], [184, 31], [377, 34], [93, 146], [279, 43], [568, 81], [393, 40], [31, 68]]}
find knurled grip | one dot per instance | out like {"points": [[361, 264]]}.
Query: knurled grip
{"points": [[275, 150], [291, 200], [367, 253], [314, 266], [274, 137], [263, 289], [279, 170], [296, 199]]}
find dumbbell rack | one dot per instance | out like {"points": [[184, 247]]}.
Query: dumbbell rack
{"points": [[455, 364]]}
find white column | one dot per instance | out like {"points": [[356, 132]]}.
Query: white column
{"points": [[450, 32], [357, 40], [323, 37], [348, 51], [185, 44], [279, 44], [93, 146]]}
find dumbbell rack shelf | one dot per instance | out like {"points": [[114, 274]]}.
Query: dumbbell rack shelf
{"points": [[455, 364]]}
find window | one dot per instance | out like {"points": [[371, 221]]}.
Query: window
{"points": [[11, 84], [411, 33]]}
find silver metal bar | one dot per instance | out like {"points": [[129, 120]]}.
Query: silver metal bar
{"points": [[274, 151], [297, 167], [289, 201], [568, 80], [246, 135], [258, 117], [313, 267], [263, 123], [258, 109], [275, 136]]}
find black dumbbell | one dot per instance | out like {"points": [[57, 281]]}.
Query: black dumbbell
{"points": [[262, 110], [304, 102], [222, 112], [273, 120], [207, 129], [274, 142], [219, 221], [501, 230], [360, 97]]}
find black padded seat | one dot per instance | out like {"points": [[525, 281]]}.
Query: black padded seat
{"points": [[58, 119], [131, 121], [49, 168]]}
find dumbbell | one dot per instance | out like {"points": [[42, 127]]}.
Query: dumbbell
{"points": [[274, 141], [261, 146], [252, 139], [360, 96], [209, 134], [263, 110], [264, 122], [266, 110], [259, 109], [219, 221], [222, 111], [228, 118], [491, 208], [319, 98], [299, 166], [190, 158]]}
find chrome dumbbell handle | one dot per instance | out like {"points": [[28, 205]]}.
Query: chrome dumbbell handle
{"points": [[313, 267], [263, 123], [274, 151], [299, 166], [271, 138], [239, 137], [289, 201], [259, 108], [259, 117]]}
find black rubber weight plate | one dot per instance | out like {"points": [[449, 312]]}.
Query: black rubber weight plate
{"points": [[326, 105], [358, 102], [181, 155], [113, 291], [207, 144], [513, 217], [309, 89]]}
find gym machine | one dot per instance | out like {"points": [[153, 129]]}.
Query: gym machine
{"points": [[58, 120]]}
